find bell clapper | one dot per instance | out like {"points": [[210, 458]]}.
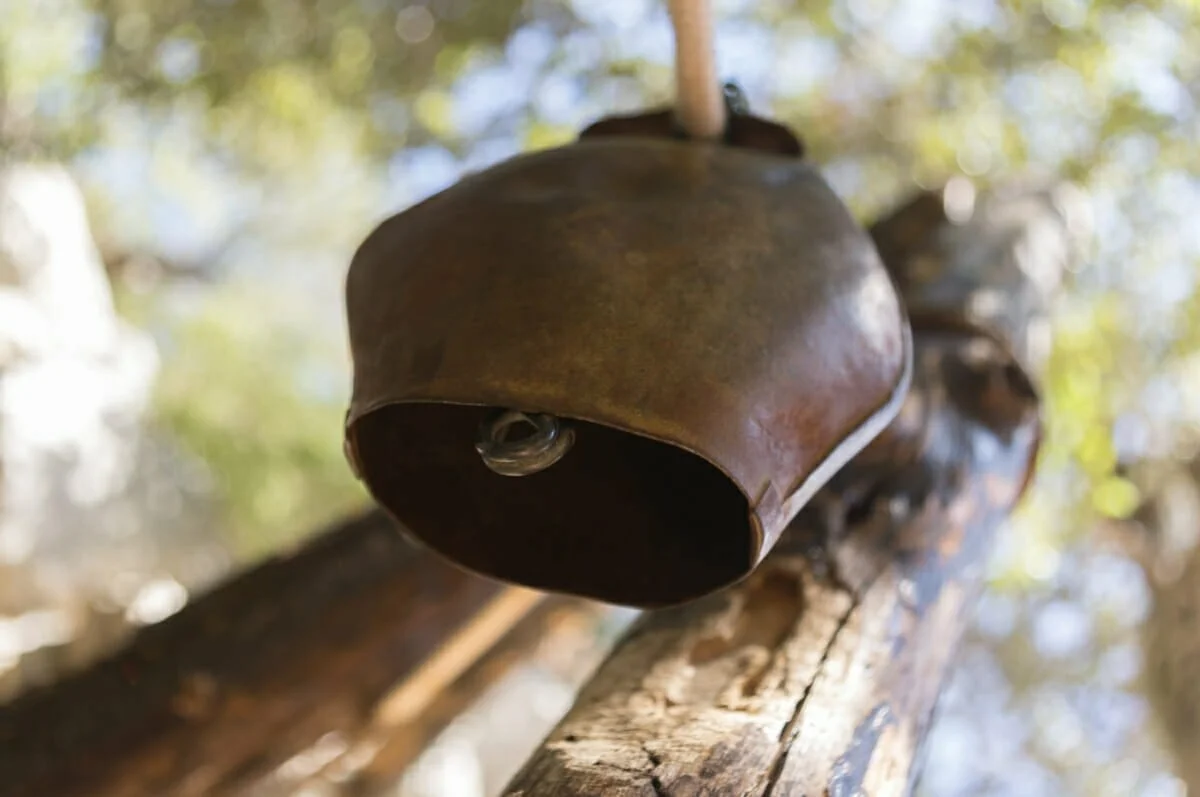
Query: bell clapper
{"points": [[548, 440]]}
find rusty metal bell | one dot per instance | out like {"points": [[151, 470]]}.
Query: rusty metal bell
{"points": [[619, 368]]}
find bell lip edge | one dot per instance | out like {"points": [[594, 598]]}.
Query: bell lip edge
{"points": [[856, 441], [757, 532], [761, 540], [838, 457]]}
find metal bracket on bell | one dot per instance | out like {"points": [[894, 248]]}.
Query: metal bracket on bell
{"points": [[549, 440]]}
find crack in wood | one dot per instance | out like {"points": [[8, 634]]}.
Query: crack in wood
{"points": [[655, 781], [790, 729], [655, 759]]}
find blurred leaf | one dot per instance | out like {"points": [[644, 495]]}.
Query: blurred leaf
{"points": [[1115, 497], [275, 454]]}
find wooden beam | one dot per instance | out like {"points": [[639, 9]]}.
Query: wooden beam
{"points": [[356, 626], [818, 675], [557, 622]]}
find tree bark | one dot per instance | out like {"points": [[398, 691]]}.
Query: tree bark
{"points": [[818, 675], [357, 631], [1162, 536]]}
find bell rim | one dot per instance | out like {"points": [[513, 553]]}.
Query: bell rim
{"points": [[857, 440], [828, 464]]}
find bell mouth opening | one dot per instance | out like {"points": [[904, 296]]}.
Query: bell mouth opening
{"points": [[619, 518]]}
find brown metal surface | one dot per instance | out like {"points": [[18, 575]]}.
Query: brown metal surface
{"points": [[718, 330]]}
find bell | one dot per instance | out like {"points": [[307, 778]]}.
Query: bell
{"points": [[617, 369]]}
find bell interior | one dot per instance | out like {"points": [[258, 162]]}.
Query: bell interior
{"points": [[620, 518]]}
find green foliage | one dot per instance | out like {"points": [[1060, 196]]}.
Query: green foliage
{"points": [[232, 392], [280, 75]]}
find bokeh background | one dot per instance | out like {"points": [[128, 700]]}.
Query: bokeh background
{"points": [[230, 154]]}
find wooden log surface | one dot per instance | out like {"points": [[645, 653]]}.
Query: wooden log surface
{"points": [[356, 634], [819, 674]]}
